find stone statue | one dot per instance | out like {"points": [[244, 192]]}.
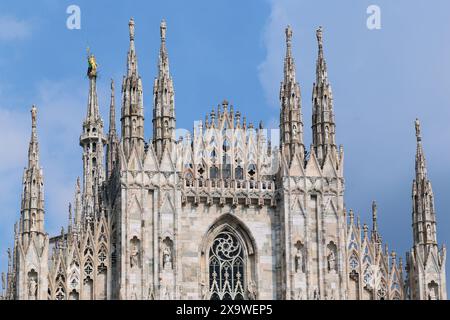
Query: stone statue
{"points": [[32, 289], [428, 232], [298, 260], [432, 294], [252, 290], [9, 256], [134, 257], [3, 281], [300, 294], [417, 123], [33, 114], [316, 294], [204, 291], [151, 294], [92, 66], [331, 261], [131, 27], [134, 293], [167, 258]]}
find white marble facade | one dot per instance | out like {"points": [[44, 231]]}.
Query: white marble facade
{"points": [[218, 214]]}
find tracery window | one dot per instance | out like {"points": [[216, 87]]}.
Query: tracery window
{"points": [[226, 268]]}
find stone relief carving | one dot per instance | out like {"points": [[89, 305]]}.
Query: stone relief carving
{"points": [[134, 252], [252, 290], [167, 254]]}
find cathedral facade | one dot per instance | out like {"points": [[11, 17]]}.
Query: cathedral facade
{"points": [[218, 213]]}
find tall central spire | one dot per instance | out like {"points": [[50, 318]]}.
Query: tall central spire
{"points": [[291, 122], [92, 138], [323, 114], [164, 101], [132, 114]]}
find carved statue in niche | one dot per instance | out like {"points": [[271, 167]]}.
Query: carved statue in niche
{"points": [[134, 253], [298, 258], [252, 290], [32, 288], [167, 253], [331, 258], [331, 261], [432, 291], [428, 232], [33, 221]]}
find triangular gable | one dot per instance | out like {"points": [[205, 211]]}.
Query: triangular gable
{"points": [[166, 161], [150, 162], [312, 167]]}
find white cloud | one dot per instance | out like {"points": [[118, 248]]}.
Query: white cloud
{"points": [[12, 28]]}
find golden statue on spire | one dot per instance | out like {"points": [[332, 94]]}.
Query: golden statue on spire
{"points": [[92, 65]]}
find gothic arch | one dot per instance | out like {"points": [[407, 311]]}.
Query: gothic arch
{"points": [[229, 227]]}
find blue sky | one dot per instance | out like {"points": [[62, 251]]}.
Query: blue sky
{"points": [[382, 80]]}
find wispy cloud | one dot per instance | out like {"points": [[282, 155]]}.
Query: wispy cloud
{"points": [[11, 28]]}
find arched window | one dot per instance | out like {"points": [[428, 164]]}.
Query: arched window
{"points": [[226, 268], [214, 173], [239, 173]]}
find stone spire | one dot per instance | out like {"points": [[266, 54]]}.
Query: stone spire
{"points": [[32, 208], [111, 147], [164, 101], [323, 124], [375, 235], [132, 113], [291, 122], [426, 263], [424, 218], [92, 139]]}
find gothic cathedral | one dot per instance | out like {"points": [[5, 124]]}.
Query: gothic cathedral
{"points": [[218, 213]]}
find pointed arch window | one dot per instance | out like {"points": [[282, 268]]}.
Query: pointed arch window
{"points": [[226, 267]]}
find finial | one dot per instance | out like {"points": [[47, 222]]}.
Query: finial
{"points": [[365, 228], [131, 28], [288, 33], [9, 256], [78, 184], [418, 134], [112, 86], [352, 216], [393, 255], [163, 28], [70, 211], [319, 35], [33, 116], [261, 125], [374, 214]]}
